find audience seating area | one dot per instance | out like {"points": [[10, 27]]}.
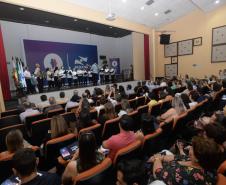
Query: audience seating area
{"points": [[36, 128]]}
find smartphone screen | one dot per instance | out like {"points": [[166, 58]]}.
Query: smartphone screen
{"points": [[74, 148], [9, 182], [65, 153]]}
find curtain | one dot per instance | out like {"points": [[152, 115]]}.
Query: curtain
{"points": [[4, 78], [146, 57]]}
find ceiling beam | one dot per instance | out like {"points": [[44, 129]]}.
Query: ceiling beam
{"points": [[76, 11], [196, 5]]}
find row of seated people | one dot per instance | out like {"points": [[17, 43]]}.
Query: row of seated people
{"points": [[178, 108], [202, 86], [116, 92], [189, 164], [176, 96], [199, 167], [180, 104]]}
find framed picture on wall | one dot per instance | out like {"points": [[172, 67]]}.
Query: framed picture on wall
{"points": [[171, 70], [218, 53], [219, 35], [185, 47], [197, 41], [170, 50], [174, 60]]}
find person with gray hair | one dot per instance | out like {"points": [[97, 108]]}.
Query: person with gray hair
{"points": [[28, 111], [53, 105]]}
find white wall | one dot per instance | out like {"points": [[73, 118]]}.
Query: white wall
{"points": [[14, 33]]}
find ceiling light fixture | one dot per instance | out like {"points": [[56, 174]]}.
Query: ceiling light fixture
{"points": [[142, 8], [217, 1], [124, 1], [75, 20], [110, 16], [110, 27], [21, 8], [156, 14]]}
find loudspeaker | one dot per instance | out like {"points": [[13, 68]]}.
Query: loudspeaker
{"points": [[102, 57], [164, 38]]}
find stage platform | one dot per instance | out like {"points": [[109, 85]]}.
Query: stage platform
{"points": [[35, 98]]}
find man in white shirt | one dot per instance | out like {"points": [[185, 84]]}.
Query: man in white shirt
{"points": [[163, 84], [28, 111], [49, 78], [62, 75], [62, 98], [27, 75], [95, 71], [129, 89], [69, 76], [44, 102], [72, 103], [38, 76], [75, 78]]}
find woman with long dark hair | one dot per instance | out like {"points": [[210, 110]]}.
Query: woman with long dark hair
{"points": [[85, 158]]}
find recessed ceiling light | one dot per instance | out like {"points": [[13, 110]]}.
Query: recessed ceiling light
{"points": [[124, 1], [21, 8], [217, 1], [142, 8], [75, 20], [156, 14], [46, 21], [110, 26]]}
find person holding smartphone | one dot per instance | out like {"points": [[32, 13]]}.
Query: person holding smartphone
{"points": [[86, 157]]}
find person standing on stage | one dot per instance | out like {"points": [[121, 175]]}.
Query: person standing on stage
{"points": [[95, 71], [75, 78], [85, 77], [56, 77], [90, 77], [80, 76], [69, 76], [38, 76], [49, 78], [112, 74], [27, 75], [62, 75], [102, 78], [106, 74]]}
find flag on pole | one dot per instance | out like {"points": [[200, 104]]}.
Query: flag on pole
{"points": [[15, 75], [18, 73]]}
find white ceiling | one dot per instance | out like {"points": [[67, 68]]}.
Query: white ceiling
{"points": [[131, 9]]}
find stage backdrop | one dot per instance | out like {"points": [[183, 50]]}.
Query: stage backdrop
{"points": [[52, 54], [115, 63]]}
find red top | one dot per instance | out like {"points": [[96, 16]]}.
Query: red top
{"points": [[119, 141]]}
